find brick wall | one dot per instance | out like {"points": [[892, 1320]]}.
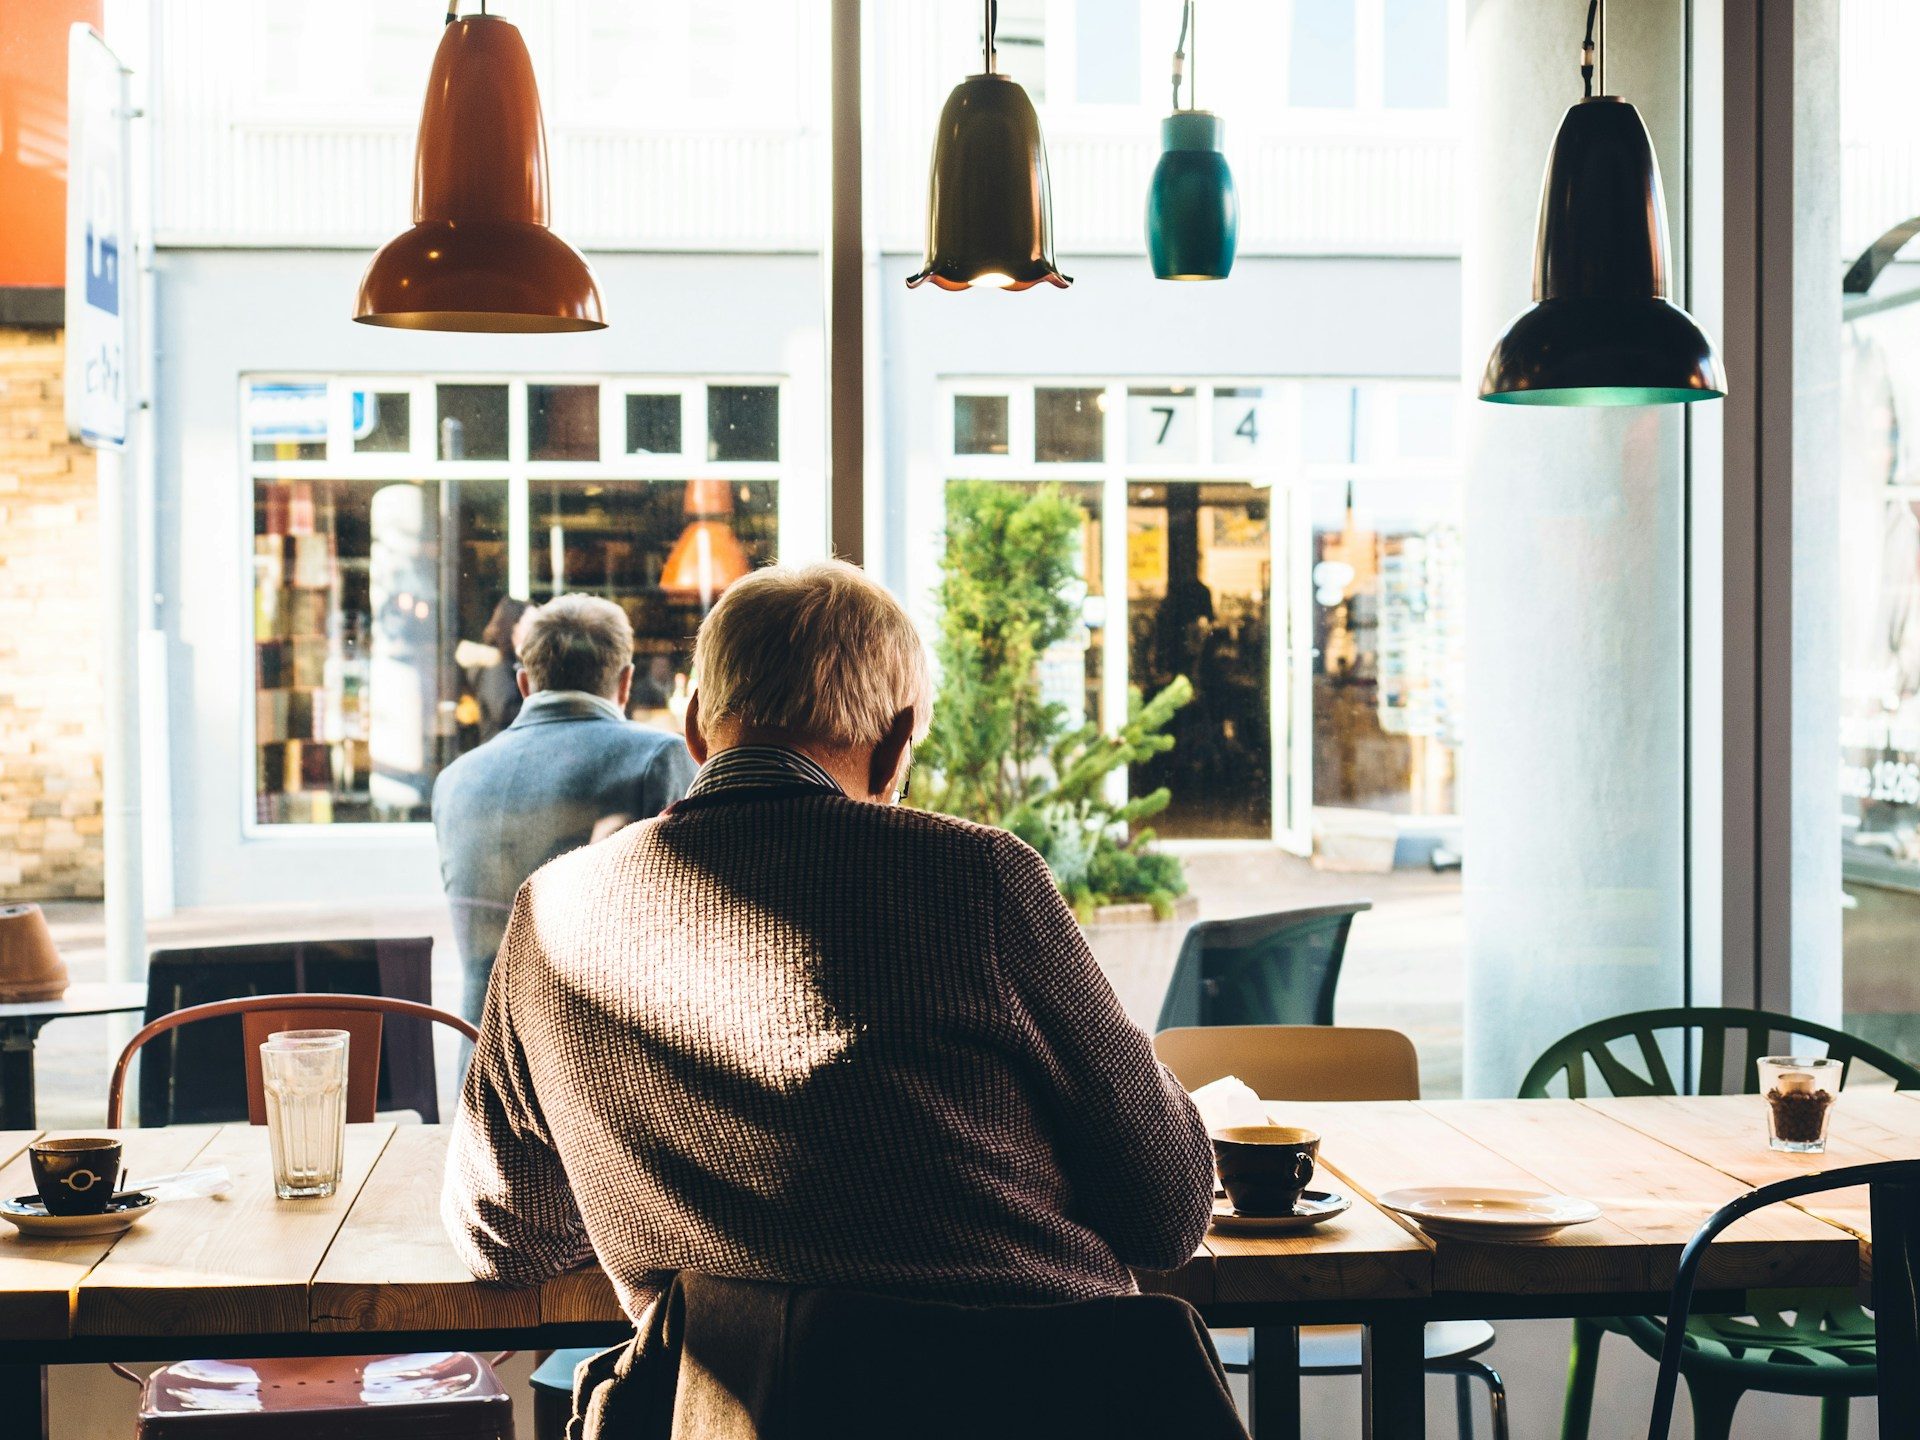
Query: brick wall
{"points": [[50, 720]]}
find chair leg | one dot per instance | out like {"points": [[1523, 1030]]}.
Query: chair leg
{"points": [[1583, 1363], [1713, 1407], [1463, 1404], [1464, 1370], [1835, 1411]]}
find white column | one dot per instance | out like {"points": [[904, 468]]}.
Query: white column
{"points": [[1573, 779]]}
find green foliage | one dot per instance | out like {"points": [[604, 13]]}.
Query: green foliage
{"points": [[1003, 756]]}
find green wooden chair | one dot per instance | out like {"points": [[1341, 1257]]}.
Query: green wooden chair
{"points": [[1817, 1343]]}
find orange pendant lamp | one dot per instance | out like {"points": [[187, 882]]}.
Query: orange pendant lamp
{"points": [[708, 556], [480, 256]]}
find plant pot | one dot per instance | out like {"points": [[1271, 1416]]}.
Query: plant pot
{"points": [[1136, 951]]}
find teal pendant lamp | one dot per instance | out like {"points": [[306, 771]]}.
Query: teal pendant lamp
{"points": [[1601, 330], [1193, 211]]}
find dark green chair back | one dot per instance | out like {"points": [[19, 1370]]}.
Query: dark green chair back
{"points": [[1279, 969], [1591, 1059]]}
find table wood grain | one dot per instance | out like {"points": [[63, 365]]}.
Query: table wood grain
{"points": [[374, 1259], [391, 1266], [1377, 1146], [1730, 1133], [38, 1277], [236, 1264]]}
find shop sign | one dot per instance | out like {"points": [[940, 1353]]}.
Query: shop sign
{"points": [[99, 243]]}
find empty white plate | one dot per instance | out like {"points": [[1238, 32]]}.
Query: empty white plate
{"points": [[1458, 1212]]}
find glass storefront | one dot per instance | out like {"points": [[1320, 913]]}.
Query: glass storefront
{"points": [[401, 527], [1292, 548]]}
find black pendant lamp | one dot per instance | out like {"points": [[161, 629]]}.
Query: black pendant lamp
{"points": [[1601, 330], [989, 208]]}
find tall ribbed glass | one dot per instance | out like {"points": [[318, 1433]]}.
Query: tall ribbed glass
{"points": [[304, 1073]]}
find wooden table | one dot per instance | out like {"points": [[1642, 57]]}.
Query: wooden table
{"points": [[370, 1270]]}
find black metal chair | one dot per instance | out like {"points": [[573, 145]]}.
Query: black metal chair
{"points": [[1895, 1189], [196, 1075], [1279, 969]]}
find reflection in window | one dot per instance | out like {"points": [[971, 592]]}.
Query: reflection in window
{"points": [[979, 424], [287, 420], [1069, 425], [1320, 70], [563, 422], [653, 425], [662, 550], [1415, 61], [1200, 593], [473, 422], [382, 422], [1389, 647], [743, 422], [362, 592]]}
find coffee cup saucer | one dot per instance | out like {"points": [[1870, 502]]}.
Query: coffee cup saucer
{"points": [[1316, 1207], [28, 1214]]}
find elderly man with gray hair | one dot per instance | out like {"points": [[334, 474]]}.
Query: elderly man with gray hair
{"points": [[793, 1031], [570, 769]]}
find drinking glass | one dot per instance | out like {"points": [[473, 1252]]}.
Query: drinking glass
{"points": [[1799, 1091], [304, 1073]]}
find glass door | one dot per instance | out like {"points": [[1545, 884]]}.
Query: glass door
{"points": [[1201, 604]]}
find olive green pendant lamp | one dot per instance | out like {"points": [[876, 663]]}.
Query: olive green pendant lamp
{"points": [[480, 255], [1601, 330], [989, 208], [1193, 211]]}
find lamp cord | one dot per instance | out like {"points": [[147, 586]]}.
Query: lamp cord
{"points": [[992, 23], [1586, 51], [1180, 57]]}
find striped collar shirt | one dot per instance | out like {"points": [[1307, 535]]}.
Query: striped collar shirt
{"points": [[760, 767]]}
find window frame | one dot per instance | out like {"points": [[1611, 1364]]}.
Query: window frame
{"points": [[421, 462]]}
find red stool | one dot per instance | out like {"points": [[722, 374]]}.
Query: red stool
{"points": [[448, 1395]]}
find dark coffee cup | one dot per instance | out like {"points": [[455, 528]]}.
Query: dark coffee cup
{"points": [[1265, 1167], [75, 1177]]}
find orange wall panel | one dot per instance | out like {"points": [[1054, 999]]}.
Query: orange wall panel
{"points": [[33, 136]]}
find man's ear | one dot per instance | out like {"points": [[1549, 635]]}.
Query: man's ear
{"points": [[883, 770], [524, 681], [696, 739], [623, 687]]}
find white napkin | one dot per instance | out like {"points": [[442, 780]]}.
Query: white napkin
{"points": [[1227, 1102]]}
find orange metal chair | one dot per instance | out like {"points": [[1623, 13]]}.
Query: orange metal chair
{"points": [[444, 1395]]}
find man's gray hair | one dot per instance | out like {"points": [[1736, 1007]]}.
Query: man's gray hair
{"points": [[575, 642], [820, 651]]}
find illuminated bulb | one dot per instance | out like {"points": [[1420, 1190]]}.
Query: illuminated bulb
{"points": [[992, 280]]}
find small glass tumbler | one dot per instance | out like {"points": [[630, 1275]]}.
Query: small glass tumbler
{"points": [[1799, 1091], [304, 1074]]}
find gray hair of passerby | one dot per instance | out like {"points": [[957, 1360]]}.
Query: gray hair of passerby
{"points": [[576, 642], [821, 652]]}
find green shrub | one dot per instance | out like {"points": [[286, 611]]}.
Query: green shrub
{"points": [[1000, 754]]}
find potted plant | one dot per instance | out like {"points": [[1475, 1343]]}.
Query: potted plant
{"points": [[1002, 754]]}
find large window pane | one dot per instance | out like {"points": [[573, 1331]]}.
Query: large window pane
{"points": [[663, 550], [473, 422], [563, 422], [362, 593], [743, 422]]}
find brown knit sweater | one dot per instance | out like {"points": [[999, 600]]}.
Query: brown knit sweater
{"points": [[784, 1035]]}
